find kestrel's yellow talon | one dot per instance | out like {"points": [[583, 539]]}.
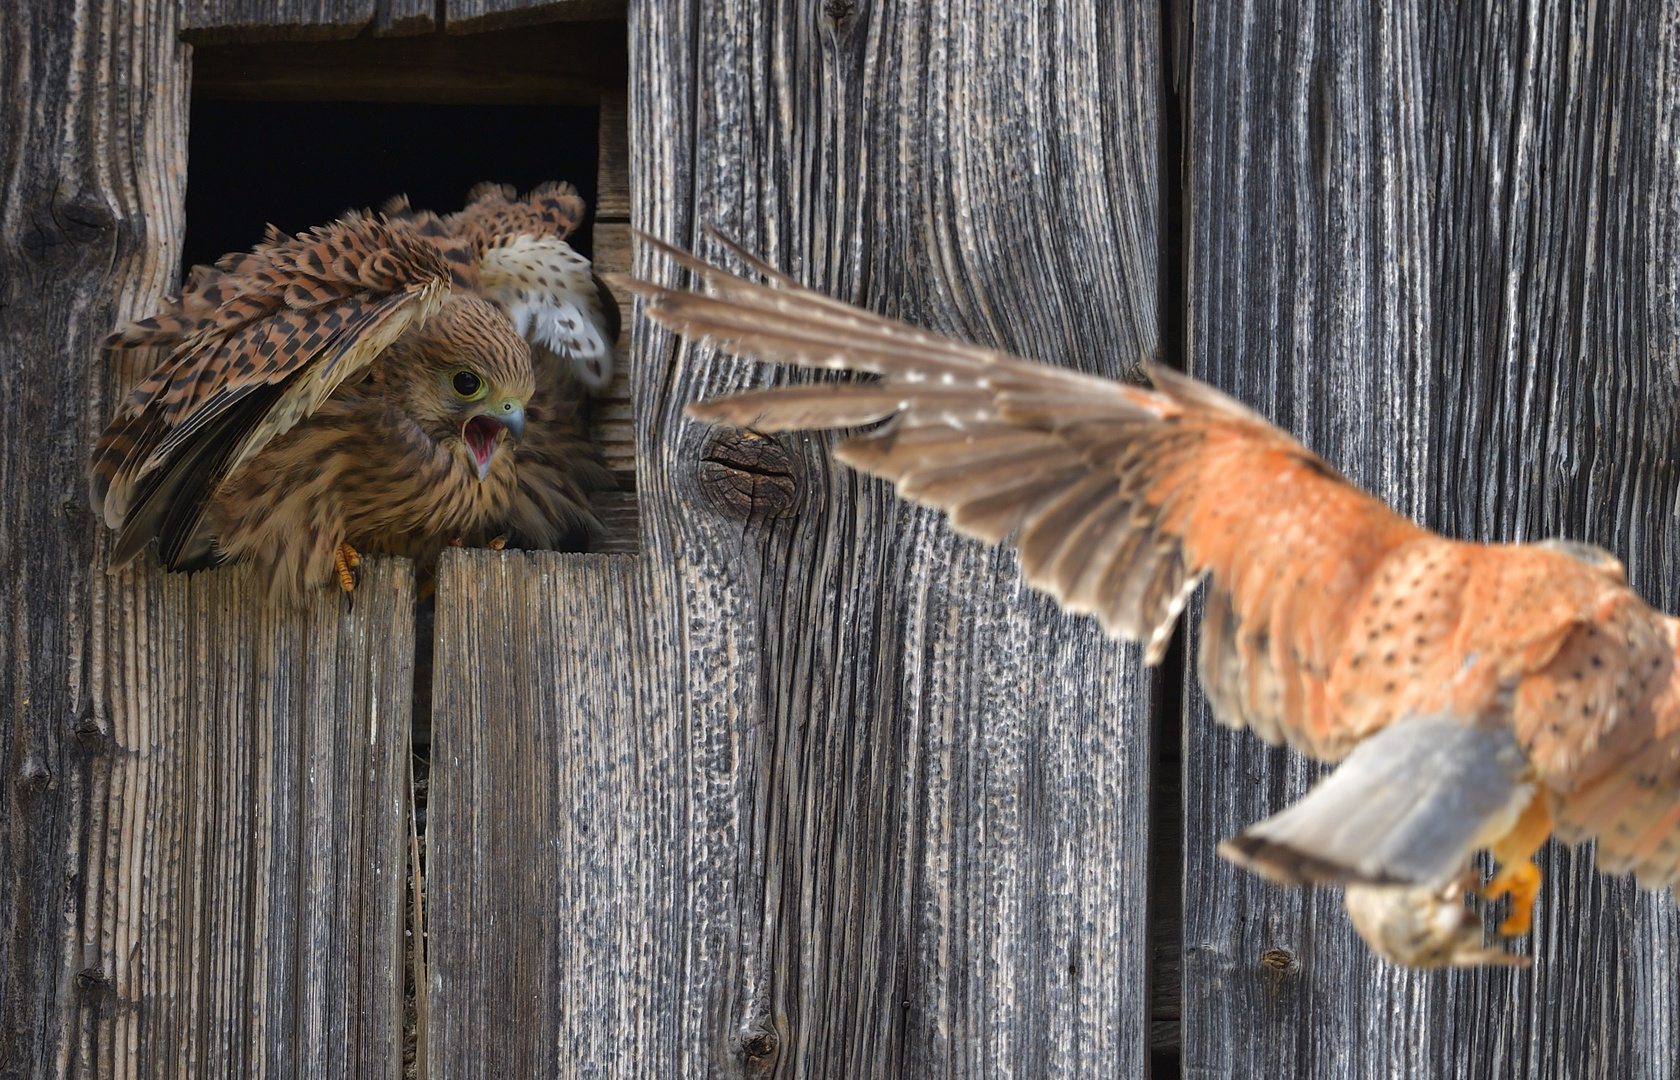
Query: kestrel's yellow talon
{"points": [[345, 560], [1522, 884], [1518, 877], [497, 543], [454, 541]]}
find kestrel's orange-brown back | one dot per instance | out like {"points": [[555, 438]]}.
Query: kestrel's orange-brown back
{"points": [[363, 385], [1478, 696]]}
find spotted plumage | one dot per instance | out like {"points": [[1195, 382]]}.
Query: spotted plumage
{"points": [[355, 385], [1478, 696]]}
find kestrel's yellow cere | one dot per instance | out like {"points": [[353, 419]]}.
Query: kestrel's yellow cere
{"points": [[388, 383], [1478, 696]]}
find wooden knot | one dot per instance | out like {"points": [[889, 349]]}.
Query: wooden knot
{"points": [[34, 774], [836, 12], [748, 475], [759, 1050], [91, 979], [64, 226], [1281, 961], [91, 731]]}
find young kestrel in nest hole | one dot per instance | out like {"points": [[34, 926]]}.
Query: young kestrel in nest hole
{"points": [[1478, 696], [391, 382]]}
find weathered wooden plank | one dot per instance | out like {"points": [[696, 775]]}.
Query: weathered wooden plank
{"points": [[555, 870], [210, 21], [1422, 237], [475, 16], [241, 907], [613, 417], [90, 207], [562, 64], [898, 807], [221, 20], [161, 759]]}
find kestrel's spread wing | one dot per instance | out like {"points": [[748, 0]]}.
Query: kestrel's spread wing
{"points": [[353, 385], [256, 343], [1481, 694]]}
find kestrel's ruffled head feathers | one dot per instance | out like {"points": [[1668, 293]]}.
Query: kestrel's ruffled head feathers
{"points": [[464, 376]]}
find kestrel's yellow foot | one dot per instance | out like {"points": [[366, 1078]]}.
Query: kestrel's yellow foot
{"points": [[345, 561], [1521, 882], [455, 541], [497, 543]]}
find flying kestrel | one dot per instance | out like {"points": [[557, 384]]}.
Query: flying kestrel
{"points": [[1478, 696], [387, 383]]}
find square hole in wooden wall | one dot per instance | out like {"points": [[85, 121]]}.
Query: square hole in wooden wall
{"points": [[296, 133]]}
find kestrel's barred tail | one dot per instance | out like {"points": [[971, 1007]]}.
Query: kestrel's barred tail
{"points": [[1491, 691]]}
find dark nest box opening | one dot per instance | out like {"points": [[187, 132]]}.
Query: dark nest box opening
{"points": [[297, 132], [304, 163]]}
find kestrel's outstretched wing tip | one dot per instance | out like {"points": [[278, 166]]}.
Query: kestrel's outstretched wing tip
{"points": [[495, 213], [758, 265], [706, 271]]}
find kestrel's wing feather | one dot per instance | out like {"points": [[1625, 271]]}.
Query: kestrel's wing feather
{"points": [[1120, 498], [555, 302], [1601, 721], [305, 312], [171, 502], [548, 290]]}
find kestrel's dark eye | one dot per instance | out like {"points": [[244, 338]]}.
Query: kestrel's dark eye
{"points": [[467, 384]]}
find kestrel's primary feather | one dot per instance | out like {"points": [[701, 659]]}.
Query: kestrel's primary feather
{"points": [[1329, 618]]}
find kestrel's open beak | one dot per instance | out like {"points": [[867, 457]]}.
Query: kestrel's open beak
{"points": [[480, 433]]}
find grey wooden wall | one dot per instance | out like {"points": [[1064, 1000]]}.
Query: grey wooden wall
{"points": [[878, 812], [808, 786], [1438, 242]]}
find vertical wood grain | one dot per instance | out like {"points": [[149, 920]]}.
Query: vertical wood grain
{"points": [[210, 20], [202, 794], [476, 16], [304, 20], [91, 142], [899, 805], [1430, 240], [928, 824], [241, 905], [612, 413]]}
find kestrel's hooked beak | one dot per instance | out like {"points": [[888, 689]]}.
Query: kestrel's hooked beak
{"points": [[481, 431]]}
